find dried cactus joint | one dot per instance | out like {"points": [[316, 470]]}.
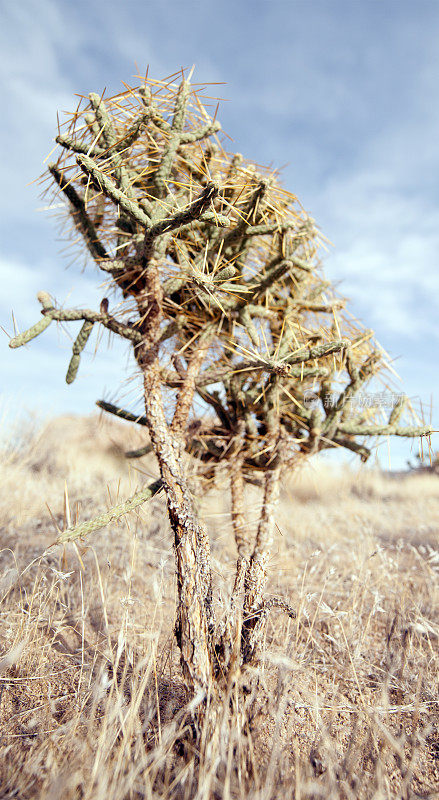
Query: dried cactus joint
{"points": [[217, 269]]}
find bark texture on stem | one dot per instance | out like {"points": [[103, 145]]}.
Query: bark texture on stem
{"points": [[256, 575], [194, 614], [192, 551], [240, 526]]}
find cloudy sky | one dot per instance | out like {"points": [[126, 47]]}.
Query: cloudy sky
{"points": [[343, 93]]}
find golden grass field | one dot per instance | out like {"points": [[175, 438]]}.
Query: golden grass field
{"points": [[92, 699]]}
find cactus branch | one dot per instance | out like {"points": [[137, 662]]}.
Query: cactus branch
{"points": [[80, 147], [79, 213], [111, 140], [192, 212], [84, 528], [397, 411], [142, 451], [256, 575], [85, 314], [121, 412], [103, 183], [411, 432], [240, 525], [164, 169], [351, 444], [23, 338], [78, 346], [358, 376], [200, 133]]}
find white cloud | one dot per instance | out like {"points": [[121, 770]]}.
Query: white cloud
{"points": [[386, 249]]}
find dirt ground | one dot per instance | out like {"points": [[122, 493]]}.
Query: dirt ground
{"points": [[92, 702]]}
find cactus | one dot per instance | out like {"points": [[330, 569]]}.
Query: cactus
{"points": [[226, 308]]}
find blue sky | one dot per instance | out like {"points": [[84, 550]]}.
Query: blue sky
{"points": [[345, 94]]}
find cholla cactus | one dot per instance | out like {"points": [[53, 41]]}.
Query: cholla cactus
{"points": [[217, 286]]}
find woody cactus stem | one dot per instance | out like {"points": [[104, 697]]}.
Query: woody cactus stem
{"points": [[78, 346], [194, 625], [256, 574], [194, 582], [237, 488], [240, 527]]}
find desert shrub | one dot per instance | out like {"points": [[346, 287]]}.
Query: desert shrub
{"points": [[248, 358]]}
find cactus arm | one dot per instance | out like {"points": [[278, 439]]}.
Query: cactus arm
{"points": [[273, 227], [323, 308], [274, 271], [213, 375], [80, 147], [85, 314], [121, 412], [133, 132], [95, 246], [356, 429], [23, 338], [188, 385], [142, 451], [319, 351], [93, 125], [115, 266], [243, 226], [103, 183], [78, 346], [200, 133], [164, 169], [213, 400], [349, 444], [110, 138], [95, 151], [31, 333], [74, 315], [103, 119], [283, 367], [232, 173], [192, 212], [208, 218], [84, 528], [397, 411], [246, 321], [172, 328], [272, 274], [158, 120], [358, 376]]}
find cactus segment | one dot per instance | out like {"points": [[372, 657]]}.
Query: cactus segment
{"points": [[120, 412], [78, 346], [84, 528], [142, 451], [103, 183], [31, 333]]}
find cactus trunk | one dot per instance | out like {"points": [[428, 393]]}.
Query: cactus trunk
{"points": [[192, 551], [256, 575]]}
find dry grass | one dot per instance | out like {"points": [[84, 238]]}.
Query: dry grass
{"points": [[92, 700]]}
